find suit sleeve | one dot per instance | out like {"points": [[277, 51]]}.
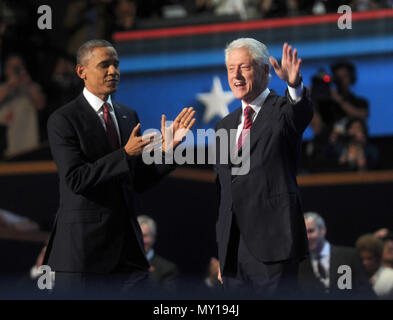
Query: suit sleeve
{"points": [[216, 176], [298, 114], [75, 170]]}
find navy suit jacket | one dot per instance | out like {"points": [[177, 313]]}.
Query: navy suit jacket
{"points": [[95, 226], [266, 201]]}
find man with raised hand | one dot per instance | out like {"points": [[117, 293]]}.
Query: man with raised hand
{"points": [[260, 228]]}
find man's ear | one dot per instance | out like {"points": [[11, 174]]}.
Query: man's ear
{"points": [[81, 71]]}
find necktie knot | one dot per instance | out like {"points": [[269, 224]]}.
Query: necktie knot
{"points": [[107, 107], [248, 111]]}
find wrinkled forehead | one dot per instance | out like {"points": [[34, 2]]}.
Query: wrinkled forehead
{"points": [[239, 55]]}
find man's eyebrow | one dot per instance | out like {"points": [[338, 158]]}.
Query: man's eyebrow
{"points": [[108, 61]]}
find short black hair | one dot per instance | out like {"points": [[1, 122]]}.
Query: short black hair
{"points": [[349, 66], [88, 47]]}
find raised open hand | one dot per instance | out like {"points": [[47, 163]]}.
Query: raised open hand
{"points": [[289, 71], [176, 132]]}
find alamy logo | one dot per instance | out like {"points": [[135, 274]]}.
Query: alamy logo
{"points": [[45, 280], [344, 282], [345, 21], [45, 20], [218, 146]]}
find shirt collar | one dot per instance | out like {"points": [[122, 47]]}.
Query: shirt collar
{"points": [[95, 102], [150, 254], [325, 252], [257, 103]]}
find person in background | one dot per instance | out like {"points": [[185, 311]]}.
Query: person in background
{"points": [[125, 12], [381, 278], [162, 271], [212, 280], [353, 150], [318, 275], [20, 98], [387, 255]]}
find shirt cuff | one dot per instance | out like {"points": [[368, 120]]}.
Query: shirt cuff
{"points": [[296, 93]]}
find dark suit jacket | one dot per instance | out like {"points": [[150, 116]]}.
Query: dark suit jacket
{"points": [[266, 201], [311, 286], [163, 271], [95, 227]]}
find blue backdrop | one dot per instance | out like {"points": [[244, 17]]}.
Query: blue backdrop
{"points": [[173, 86]]}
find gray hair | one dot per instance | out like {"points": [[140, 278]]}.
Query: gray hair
{"points": [[316, 218], [257, 50], [143, 219], [85, 50]]}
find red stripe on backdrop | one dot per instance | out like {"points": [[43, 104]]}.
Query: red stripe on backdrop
{"points": [[248, 25]]}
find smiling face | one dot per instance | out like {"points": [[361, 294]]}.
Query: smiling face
{"points": [[245, 77], [100, 71]]}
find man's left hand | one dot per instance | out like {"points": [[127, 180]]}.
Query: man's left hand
{"points": [[289, 71], [173, 135]]}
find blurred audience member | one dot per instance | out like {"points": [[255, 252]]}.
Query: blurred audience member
{"points": [[125, 15], [85, 20], [273, 9], [381, 278], [336, 105], [381, 233], [318, 275], [203, 6], [230, 7], [162, 271], [65, 85], [20, 98], [211, 281], [344, 76], [387, 254], [353, 150], [365, 5], [339, 124], [151, 8]]}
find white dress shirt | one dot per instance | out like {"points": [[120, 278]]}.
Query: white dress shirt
{"points": [[382, 282], [325, 262], [256, 104], [97, 105]]}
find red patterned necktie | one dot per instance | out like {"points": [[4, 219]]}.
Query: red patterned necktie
{"points": [[110, 127], [248, 112]]}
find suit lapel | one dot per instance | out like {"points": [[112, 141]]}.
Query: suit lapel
{"points": [[233, 122], [257, 128], [123, 122], [333, 267]]}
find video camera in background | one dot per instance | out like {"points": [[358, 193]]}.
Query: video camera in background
{"points": [[320, 83], [329, 110]]}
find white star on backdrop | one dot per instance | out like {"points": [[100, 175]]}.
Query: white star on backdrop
{"points": [[216, 101]]}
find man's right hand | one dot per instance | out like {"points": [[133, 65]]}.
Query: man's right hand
{"points": [[136, 144]]}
